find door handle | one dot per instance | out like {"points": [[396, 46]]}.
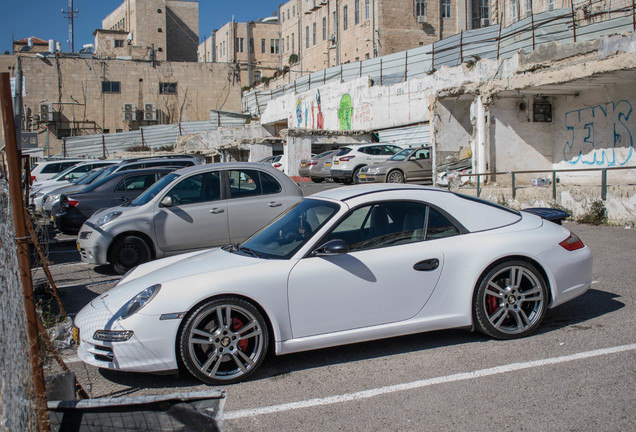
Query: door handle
{"points": [[274, 204], [216, 210], [426, 265]]}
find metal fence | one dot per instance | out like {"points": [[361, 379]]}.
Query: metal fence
{"points": [[492, 42], [152, 137]]}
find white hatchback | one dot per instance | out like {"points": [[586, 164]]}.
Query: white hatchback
{"points": [[350, 159]]}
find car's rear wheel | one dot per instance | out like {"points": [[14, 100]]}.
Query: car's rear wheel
{"points": [[395, 176], [129, 252], [223, 341], [510, 300], [354, 177]]}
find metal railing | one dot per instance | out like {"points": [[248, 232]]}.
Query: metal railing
{"points": [[554, 179]]}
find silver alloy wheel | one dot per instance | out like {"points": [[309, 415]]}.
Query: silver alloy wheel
{"points": [[224, 341], [395, 176], [511, 300]]}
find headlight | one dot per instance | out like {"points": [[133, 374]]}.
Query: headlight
{"points": [[107, 218], [140, 300]]}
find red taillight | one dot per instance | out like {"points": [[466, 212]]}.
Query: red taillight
{"points": [[278, 165], [69, 203], [312, 163], [32, 178], [346, 158], [572, 243]]}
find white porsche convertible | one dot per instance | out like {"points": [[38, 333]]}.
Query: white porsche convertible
{"points": [[343, 266]]}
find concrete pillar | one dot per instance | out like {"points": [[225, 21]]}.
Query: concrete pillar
{"points": [[295, 149], [480, 145]]}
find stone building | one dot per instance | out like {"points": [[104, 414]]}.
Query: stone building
{"points": [[30, 45], [168, 27], [65, 95], [590, 11], [253, 48], [325, 33]]}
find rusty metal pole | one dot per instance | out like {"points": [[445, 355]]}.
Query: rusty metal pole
{"points": [[23, 251]]}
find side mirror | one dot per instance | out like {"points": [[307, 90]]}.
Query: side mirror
{"points": [[331, 248], [166, 202]]}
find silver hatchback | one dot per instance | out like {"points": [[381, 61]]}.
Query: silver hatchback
{"points": [[189, 209]]}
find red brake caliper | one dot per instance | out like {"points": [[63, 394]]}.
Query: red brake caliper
{"points": [[237, 324], [491, 304]]}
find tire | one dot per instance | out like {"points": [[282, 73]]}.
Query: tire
{"points": [[510, 301], [317, 179], [129, 252], [222, 353], [354, 177], [395, 176]]}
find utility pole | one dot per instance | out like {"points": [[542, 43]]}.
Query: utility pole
{"points": [[70, 14]]}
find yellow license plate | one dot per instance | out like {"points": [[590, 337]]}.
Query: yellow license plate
{"points": [[78, 246], [303, 165], [76, 335], [52, 218], [328, 164], [335, 163], [363, 176]]}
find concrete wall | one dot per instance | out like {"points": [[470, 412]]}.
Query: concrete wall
{"points": [[592, 130], [182, 30]]}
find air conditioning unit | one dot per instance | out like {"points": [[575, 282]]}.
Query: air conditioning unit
{"points": [[130, 112], [150, 112], [46, 112], [421, 19], [484, 22]]}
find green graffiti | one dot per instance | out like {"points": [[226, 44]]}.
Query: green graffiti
{"points": [[345, 112]]}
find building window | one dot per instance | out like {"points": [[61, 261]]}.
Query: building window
{"points": [[293, 10], [251, 45], [263, 46], [119, 43], [550, 4], [111, 87], [528, 7], [167, 88], [288, 14], [514, 10], [238, 45], [345, 17], [366, 9], [446, 8], [314, 33], [420, 8], [357, 12], [307, 37], [273, 46], [293, 48], [484, 10], [324, 28], [287, 42]]}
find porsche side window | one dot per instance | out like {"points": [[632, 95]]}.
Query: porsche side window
{"points": [[439, 226]]}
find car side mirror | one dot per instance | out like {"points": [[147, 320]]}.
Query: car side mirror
{"points": [[166, 202], [332, 248]]}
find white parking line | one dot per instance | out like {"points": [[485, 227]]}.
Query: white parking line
{"points": [[424, 383]]}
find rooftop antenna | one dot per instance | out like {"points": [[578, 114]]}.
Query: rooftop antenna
{"points": [[70, 14]]}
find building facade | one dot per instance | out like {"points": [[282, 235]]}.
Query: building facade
{"points": [[170, 28], [70, 96]]}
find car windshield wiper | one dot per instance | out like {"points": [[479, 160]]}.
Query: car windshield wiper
{"points": [[249, 251], [231, 247]]}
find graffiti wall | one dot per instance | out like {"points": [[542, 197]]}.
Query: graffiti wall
{"points": [[600, 135]]}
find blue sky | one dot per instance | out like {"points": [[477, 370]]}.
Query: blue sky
{"points": [[20, 19]]}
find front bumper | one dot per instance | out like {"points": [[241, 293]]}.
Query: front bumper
{"points": [[341, 173], [150, 349], [93, 245], [371, 178]]}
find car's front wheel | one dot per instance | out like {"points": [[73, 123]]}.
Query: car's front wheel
{"points": [[395, 176], [129, 252], [510, 301], [223, 341]]}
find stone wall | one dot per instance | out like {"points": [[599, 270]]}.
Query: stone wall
{"points": [[17, 406]]}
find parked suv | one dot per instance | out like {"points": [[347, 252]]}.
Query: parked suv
{"points": [[44, 170], [350, 159], [188, 209]]}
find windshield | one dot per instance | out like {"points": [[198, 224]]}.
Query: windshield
{"points": [[63, 173], [282, 237], [153, 190], [403, 155], [89, 177], [322, 155]]}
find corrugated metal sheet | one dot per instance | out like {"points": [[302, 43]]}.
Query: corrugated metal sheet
{"points": [[407, 136], [555, 25], [153, 137]]}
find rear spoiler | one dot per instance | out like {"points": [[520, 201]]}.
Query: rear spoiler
{"points": [[553, 215]]}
